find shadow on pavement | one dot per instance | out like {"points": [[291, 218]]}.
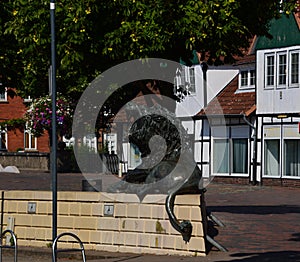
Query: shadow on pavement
{"points": [[280, 256], [258, 210]]}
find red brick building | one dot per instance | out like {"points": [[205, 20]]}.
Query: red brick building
{"points": [[17, 138]]}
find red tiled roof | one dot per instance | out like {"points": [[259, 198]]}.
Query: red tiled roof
{"points": [[247, 59], [230, 102]]}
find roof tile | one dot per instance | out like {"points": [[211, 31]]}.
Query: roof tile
{"points": [[229, 101]]}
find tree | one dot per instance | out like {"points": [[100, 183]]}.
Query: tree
{"points": [[170, 29], [93, 36]]}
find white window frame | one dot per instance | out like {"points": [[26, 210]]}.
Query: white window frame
{"points": [[179, 79], [277, 66], [284, 158], [279, 135], [266, 71], [32, 141], [192, 80], [279, 158], [90, 141], [290, 68], [271, 132], [230, 144], [111, 140], [185, 79], [230, 134], [248, 79], [3, 132], [288, 74]]}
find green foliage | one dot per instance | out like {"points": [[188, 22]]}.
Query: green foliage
{"points": [[170, 29], [12, 124], [93, 36]]}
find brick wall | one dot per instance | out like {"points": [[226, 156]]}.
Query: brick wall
{"points": [[14, 108], [134, 227], [281, 182], [232, 180]]}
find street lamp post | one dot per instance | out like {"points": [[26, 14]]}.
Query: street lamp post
{"points": [[53, 134]]}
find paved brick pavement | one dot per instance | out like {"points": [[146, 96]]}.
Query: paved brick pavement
{"points": [[261, 223]]}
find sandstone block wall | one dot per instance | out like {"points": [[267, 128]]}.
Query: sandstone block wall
{"points": [[131, 226]]}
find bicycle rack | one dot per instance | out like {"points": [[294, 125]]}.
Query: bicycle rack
{"points": [[55, 250], [15, 246]]}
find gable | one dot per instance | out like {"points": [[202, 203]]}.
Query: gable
{"points": [[285, 32]]}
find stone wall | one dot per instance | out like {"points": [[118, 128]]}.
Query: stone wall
{"points": [[25, 160], [132, 227]]}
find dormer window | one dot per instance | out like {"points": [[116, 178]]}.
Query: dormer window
{"points": [[247, 79]]}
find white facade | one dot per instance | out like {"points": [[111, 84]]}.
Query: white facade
{"points": [[222, 147], [278, 87], [259, 147], [279, 156], [278, 108], [217, 79]]}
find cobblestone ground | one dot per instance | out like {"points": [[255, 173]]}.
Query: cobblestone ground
{"points": [[261, 223]]}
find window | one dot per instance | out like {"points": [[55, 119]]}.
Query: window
{"points": [[134, 156], [271, 157], [292, 157], [294, 78], [192, 86], [179, 80], [252, 77], [185, 80], [2, 93], [29, 140], [221, 156], [230, 156], [244, 78], [270, 70], [111, 142], [90, 140], [3, 143], [282, 70], [239, 156], [247, 78]]}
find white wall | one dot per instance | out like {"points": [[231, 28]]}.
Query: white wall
{"points": [[275, 100], [217, 79]]}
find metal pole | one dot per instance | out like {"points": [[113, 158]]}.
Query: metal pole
{"points": [[53, 134], [2, 216], [204, 71], [2, 211]]}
